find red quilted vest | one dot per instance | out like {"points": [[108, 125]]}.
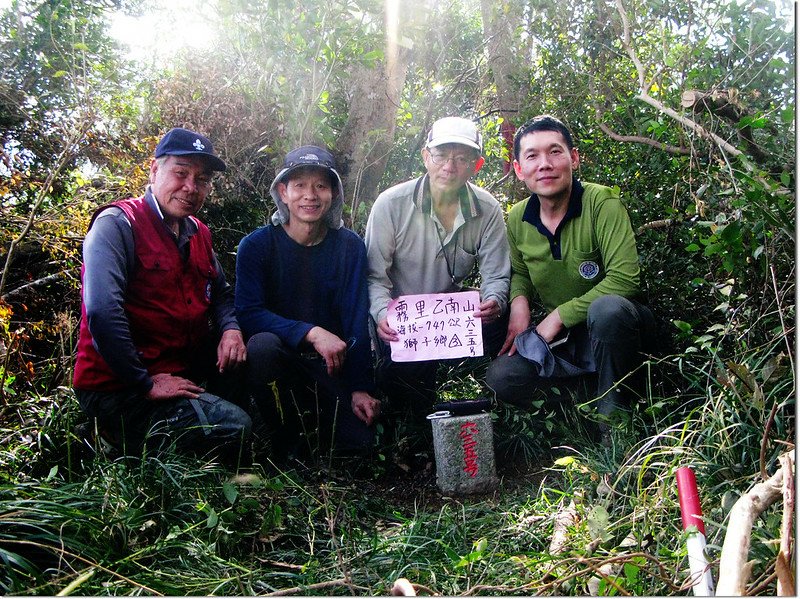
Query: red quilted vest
{"points": [[167, 301]]}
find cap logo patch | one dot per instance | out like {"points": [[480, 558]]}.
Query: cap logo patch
{"points": [[313, 157], [198, 144], [589, 269]]}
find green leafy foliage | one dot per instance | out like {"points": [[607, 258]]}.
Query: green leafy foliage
{"points": [[716, 233]]}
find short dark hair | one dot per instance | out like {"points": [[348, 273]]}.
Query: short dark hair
{"points": [[543, 122]]}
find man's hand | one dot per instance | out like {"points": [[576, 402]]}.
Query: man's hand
{"points": [[519, 319], [488, 311], [231, 350], [551, 326], [365, 407], [385, 332], [167, 386], [332, 349]]}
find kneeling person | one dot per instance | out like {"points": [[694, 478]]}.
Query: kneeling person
{"points": [[151, 285], [572, 245], [301, 297], [427, 235]]}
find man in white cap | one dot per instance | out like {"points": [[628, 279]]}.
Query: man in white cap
{"points": [[427, 235], [301, 298], [151, 289]]}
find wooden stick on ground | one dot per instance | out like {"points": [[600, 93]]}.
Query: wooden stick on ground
{"points": [[783, 566], [734, 569], [564, 519]]}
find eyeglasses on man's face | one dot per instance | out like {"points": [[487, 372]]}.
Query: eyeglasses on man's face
{"points": [[459, 159]]}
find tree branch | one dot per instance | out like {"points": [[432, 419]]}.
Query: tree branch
{"points": [[656, 224], [598, 112], [626, 43], [36, 283], [644, 97], [564, 519], [502, 179], [328, 584], [690, 124], [696, 128], [733, 565], [63, 159], [644, 140]]}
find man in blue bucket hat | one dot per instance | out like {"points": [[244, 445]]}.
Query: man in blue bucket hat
{"points": [[301, 297]]}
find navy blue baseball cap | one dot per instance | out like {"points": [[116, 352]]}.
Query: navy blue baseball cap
{"points": [[184, 142]]}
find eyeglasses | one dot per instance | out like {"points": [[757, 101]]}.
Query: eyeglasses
{"points": [[459, 159]]}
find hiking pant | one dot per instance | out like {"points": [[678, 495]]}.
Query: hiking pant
{"points": [[130, 422], [413, 384], [297, 397], [616, 332]]}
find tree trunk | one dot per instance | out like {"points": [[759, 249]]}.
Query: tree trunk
{"points": [[499, 20], [367, 138]]}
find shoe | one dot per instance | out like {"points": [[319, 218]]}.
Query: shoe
{"points": [[606, 439], [85, 431]]}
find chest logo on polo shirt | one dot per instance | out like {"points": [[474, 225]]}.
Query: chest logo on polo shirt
{"points": [[589, 269]]}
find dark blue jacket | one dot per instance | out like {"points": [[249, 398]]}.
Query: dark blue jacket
{"points": [[286, 288]]}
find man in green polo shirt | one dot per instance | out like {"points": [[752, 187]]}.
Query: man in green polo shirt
{"points": [[572, 245]]}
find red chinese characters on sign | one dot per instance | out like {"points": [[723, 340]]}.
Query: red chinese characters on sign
{"points": [[468, 443]]}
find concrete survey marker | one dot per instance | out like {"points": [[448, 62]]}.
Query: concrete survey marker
{"points": [[464, 450]]}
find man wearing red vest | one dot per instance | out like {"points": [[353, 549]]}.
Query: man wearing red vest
{"points": [[155, 305]]}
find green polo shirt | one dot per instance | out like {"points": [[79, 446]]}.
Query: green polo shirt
{"points": [[592, 253]]}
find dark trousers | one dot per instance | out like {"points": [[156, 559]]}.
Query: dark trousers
{"points": [[212, 423], [413, 384], [617, 331], [296, 396], [208, 424]]}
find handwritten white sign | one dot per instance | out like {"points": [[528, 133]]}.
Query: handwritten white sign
{"points": [[435, 326]]}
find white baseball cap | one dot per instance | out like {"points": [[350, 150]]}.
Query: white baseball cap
{"points": [[454, 130]]}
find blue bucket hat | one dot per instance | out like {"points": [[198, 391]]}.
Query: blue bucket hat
{"points": [[184, 142], [305, 156]]}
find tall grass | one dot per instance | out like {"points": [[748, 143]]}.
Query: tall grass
{"points": [[170, 524], [74, 521]]}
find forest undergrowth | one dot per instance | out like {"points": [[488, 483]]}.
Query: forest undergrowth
{"points": [[688, 107], [75, 521]]}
